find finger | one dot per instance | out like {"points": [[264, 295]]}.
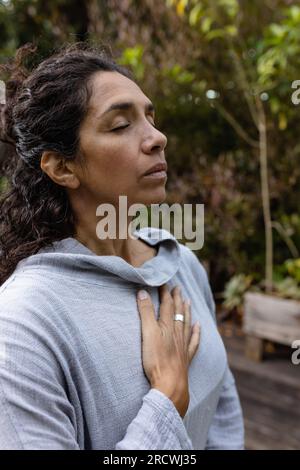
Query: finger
{"points": [[164, 292], [194, 341], [178, 307], [166, 308], [187, 321], [146, 310]]}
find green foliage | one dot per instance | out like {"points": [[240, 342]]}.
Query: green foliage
{"points": [[287, 279], [288, 288], [292, 266], [213, 19], [177, 74], [133, 57], [235, 290], [280, 48], [286, 285]]}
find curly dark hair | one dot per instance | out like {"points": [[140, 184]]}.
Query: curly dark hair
{"points": [[43, 111]]}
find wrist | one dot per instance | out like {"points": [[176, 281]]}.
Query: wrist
{"points": [[178, 395]]}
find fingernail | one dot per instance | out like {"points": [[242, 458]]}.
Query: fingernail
{"points": [[176, 289], [188, 302], [143, 294]]}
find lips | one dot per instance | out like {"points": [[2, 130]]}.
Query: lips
{"points": [[159, 167]]}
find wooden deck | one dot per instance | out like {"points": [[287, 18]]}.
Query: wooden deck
{"points": [[269, 393]]}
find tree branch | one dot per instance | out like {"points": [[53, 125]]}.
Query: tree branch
{"points": [[237, 127]]}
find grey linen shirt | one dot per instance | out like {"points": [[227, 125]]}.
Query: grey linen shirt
{"points": [[71, 373]]}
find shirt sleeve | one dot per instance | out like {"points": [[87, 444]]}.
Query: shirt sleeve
{"points": [[35, 410], [158, 425], [226, 431], [227, 428]]}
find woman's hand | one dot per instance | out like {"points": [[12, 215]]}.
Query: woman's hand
{"points": [[168, 346]]}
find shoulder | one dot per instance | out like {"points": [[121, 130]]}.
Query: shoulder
{"points": [[29, 306], [190, 261], [23, 287]]}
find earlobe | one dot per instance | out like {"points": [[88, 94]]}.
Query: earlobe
{"points": [[71, 181]]}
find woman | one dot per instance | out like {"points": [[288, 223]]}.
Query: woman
{"points": [[86, 363]]}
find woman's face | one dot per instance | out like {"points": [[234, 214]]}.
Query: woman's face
{"points": [[120, 145]]}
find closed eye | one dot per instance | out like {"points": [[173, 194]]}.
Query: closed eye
{"points": [[119, 128], [124, 127]]}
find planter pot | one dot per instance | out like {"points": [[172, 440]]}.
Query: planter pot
{"points": [[268, 317]]}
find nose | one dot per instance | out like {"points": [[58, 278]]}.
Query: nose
{"points": [[155, 140]]}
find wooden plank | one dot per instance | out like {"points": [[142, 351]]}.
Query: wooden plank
{"points": [[278, 371], [254, 348], [273, 426], [259, 438], [270, 395], [288, 416], [272, 318]]}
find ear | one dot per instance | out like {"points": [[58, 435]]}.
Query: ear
{"points": [[59, 170]]}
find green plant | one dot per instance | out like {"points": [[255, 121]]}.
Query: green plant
{"points": [[287, 283], [259, 66], [234, 291], [288, 288], [293, 268]]}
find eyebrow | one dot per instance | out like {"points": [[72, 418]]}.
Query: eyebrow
{"points": [[125, 106]]}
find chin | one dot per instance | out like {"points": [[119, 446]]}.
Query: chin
{"points": [[157, 196]]}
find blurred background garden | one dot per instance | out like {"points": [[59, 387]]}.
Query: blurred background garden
{"points": [[224, 77]]}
